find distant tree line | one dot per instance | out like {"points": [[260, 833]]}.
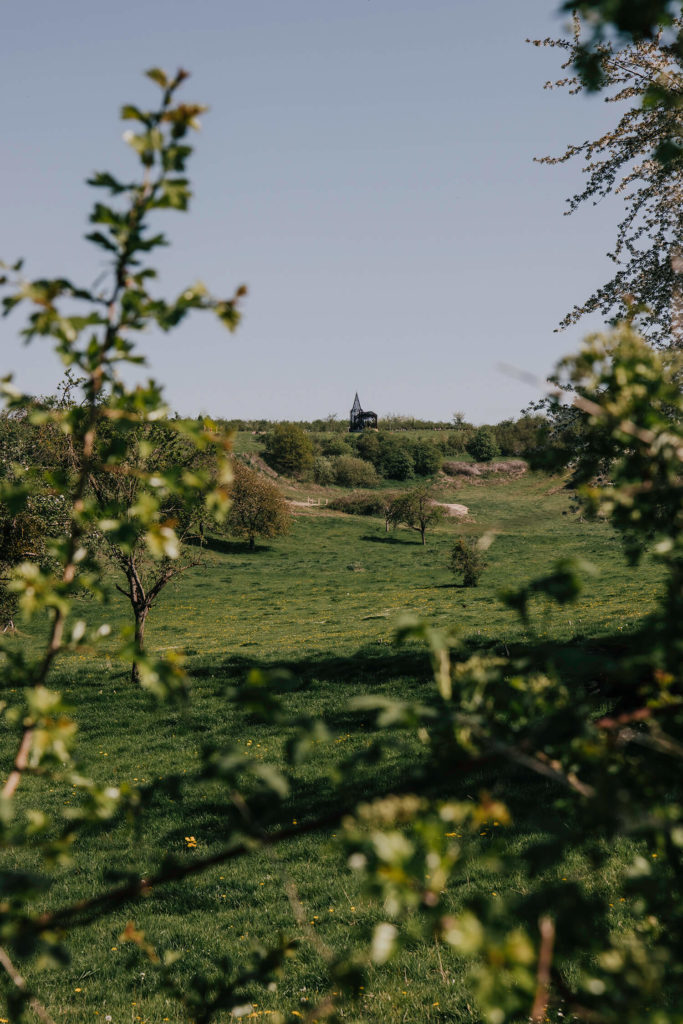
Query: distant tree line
{"points": [[362, 459]]}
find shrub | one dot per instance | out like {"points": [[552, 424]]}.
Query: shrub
{"points": [[426, 457], [397, 463], [360, 504], [289, 449], [323, 471], [522, 436], [483, 446], [455, 443], [467, 557], [350, 471], [369, 447], [335, 445]]}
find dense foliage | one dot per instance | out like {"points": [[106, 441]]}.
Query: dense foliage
{"points": [[482, 446], [289, 449], [257, 507]]}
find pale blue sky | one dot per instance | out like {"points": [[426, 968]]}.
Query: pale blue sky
{"points": [[366, 169]]}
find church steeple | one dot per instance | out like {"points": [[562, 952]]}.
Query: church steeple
{"points": [[360, 420]]}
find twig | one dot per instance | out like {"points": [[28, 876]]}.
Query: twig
{"points": [[19, 983], [546, 927], [20, 765], [83, 911]]}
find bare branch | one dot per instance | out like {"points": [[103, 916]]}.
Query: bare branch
{"points": [[20, 764], [18, 982], [546, 927]]}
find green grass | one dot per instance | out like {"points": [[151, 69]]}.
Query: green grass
{"points": [[323, 600], [246, 442]]}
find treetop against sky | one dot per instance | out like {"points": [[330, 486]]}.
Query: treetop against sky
{"points": [[365, 168]]}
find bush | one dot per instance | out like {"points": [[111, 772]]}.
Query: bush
{"points": [[483, 446], [335, 445], [426, 457], [467, 557], [360, 504], [323, 471], [289, 449], [456, 442], [522, 436], [369, 447], [397, 463], [352, 472]]}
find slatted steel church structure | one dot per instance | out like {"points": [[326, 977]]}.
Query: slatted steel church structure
{"points": [[360, 419]]}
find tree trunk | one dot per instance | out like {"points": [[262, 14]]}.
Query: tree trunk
{"points": [[140, 620], [252, 542], [422, 534]]}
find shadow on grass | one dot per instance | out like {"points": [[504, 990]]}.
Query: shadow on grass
{"points": [[227, 547], [383, 539], [367, 665], [611, 666]]}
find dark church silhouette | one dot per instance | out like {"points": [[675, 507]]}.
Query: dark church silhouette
{"points": [[361, 420]]}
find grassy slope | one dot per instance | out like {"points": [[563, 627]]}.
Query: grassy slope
{"points": [[323, 599]]}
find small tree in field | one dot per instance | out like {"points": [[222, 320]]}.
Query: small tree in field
{"points": [[157, 449], [483, 446], [388, 500], [415, 509], [467, 557], [258, 508]]}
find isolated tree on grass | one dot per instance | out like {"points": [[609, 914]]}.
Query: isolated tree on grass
{"points": [[415, 509], [122, 493], [467, 557], [388, 500], [257, 508]]}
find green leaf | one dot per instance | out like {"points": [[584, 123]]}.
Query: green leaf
{"points": [[175, 194], [102, 179], [99, 239], [132, 113], [158, 76], [102, 214]]}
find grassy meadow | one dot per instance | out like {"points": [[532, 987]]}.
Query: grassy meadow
{"points": [[324, 602]]}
